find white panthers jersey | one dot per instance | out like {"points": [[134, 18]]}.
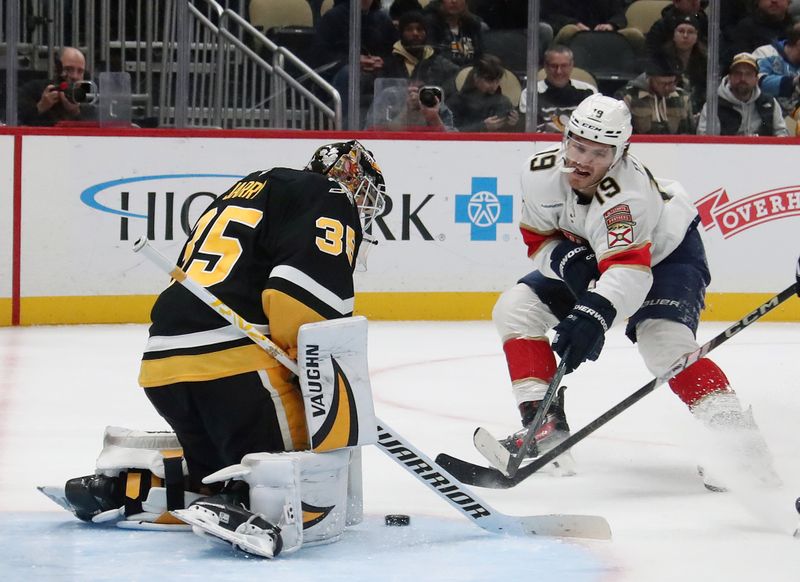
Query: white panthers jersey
{"points": [[632, 223]]}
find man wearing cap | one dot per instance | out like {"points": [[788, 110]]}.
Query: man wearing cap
{"points": [[657, 104], [743, 109]]}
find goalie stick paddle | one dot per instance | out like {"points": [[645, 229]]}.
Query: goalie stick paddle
{"points": [[397, 448], [480, 476], [496, 453]]}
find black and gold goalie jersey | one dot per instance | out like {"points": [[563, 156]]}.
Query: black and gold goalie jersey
{"points": [[279, 248]]}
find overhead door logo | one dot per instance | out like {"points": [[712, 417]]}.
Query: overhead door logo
{"points": [[734, 216], [484, 208]]}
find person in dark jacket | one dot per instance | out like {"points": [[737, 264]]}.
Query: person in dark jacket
{"points": [[332, 46], [454, 31], [479, 105], [413, 58], [689, 54], [43, 102], [568, 17], [332, 38], [769, 21], [661, 30]]}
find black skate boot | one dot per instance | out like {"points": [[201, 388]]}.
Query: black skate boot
{"points": [[554, 430]]}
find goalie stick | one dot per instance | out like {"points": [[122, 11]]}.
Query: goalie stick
{"points": [[496, 453], [396, 447], [480, 476]]}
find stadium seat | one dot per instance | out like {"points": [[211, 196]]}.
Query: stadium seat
{"points": [[509, 84], [578, 74], [267, 14], [608, 56], [510, 46], [326, 5], [643, 13]]}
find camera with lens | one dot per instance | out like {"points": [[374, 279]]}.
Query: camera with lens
{"points": [[80, 92], [429, 94]]}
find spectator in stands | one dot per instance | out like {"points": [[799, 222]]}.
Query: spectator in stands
{"points": [[399, 108], [332, 46], [662, 29], [779, 69], [511, 15], [689, 54], [46, 102], [568, 17], [455, 31], [742, 108], [400, 7], [657, 104], [479, 105], [332, 38], [413, 57], [769, 21], [558, 93]]}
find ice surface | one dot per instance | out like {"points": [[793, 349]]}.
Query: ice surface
{"points": [[434, 383]]}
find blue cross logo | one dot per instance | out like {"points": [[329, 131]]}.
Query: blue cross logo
{"points": [[484, 209]]}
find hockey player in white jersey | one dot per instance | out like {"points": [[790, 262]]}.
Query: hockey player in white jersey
{"points": [[610, 242]]}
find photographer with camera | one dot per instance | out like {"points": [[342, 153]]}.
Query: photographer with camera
{"points": [[48, 102], [410, 107], [480, 105]]}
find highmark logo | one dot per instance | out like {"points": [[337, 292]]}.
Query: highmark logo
{"points": [[484, 209], [733, 217], [157, 202]]}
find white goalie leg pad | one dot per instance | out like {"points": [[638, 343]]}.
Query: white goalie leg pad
{"points": [[324, 479], [311, 508], [275, 488], [334, 379], [138, 477], [125, 448]]}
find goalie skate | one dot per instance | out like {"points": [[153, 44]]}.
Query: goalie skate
{"points": [[241, 528]]}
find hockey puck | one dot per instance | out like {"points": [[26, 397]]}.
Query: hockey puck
{"points": [[397, 519]]}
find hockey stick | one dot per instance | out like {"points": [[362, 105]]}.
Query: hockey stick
{"points": [[497, 454], [400, 450], [480, 476]]}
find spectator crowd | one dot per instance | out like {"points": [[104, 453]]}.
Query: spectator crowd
{"points": [[470, 52], [448, 44]]}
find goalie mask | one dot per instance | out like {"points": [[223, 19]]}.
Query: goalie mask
{"points": [[602, 120], [353, 166]]}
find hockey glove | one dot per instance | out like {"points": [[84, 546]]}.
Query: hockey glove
{"points": [[575, 264], [584, 329]]}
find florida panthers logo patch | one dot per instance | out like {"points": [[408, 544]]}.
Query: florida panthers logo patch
{"points": [[620, 223]]}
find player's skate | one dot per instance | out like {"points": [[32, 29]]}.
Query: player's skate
{"points": [[553, 430], [739, 446], [242, 528]]}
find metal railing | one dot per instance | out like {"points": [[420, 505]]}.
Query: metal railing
{"points": [[215, 71]]}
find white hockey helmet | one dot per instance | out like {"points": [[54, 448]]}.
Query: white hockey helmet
{"points": [[603, 120]]}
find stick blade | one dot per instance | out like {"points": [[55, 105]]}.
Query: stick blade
{"points": [[491, 449], [569, 526], [472, 474]]}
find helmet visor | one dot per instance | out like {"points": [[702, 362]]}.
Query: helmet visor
{"points": [[582, 151]]}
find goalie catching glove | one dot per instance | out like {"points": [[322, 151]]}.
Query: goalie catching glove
{"points": [[583, 330]]}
